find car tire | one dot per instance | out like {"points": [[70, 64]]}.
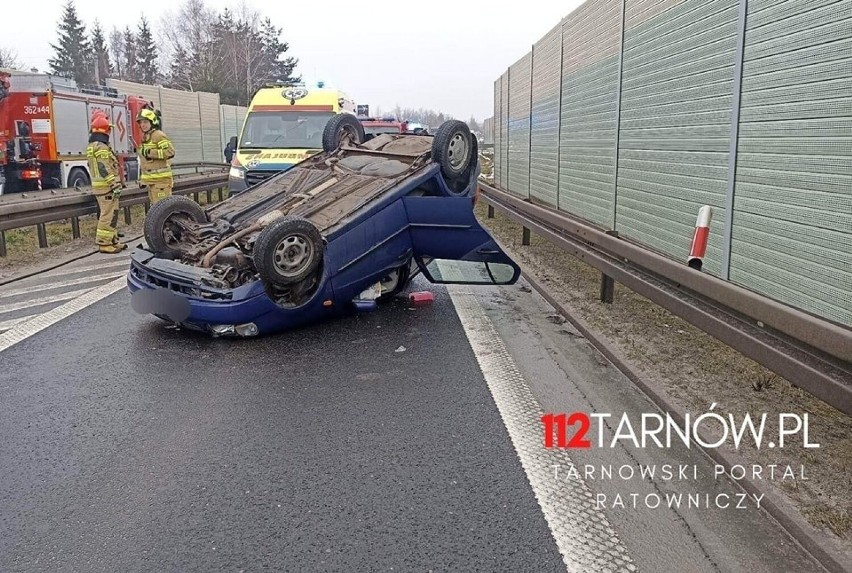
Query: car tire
{"points": [[462, 187], [159, 222], [453, 149], [288, 251], [78, 178], [338, 126]]}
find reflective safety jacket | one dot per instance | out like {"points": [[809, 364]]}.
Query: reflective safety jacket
{"points": [[154, 156], [103, 165]]}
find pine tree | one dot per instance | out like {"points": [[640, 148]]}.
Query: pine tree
{"points": [[146, 55], [103, 65], [180, 72], [130, 64], [73, 54], [274, 49]]}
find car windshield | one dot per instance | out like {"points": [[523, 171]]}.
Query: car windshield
{"points": [[284, 129], [379, 129]]}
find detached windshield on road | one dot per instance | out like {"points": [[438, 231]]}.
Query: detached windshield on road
{"points": [[284, 129]]}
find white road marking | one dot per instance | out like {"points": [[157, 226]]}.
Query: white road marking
{"points": [[61, 284], [101, 264], [4, 308], [585, 537], [39, 323], [7, 324]]}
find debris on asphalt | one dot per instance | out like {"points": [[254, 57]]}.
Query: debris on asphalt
{"points": [[400, 349], [556, 318], [421, 298]]}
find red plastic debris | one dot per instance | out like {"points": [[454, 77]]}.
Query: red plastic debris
{"points": [[421, 298]]}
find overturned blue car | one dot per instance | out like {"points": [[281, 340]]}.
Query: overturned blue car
{"points": [[339, 232]]}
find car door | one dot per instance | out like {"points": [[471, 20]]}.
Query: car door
{"points": [[451, 247]]}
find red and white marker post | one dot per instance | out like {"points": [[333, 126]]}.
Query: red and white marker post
{"points": [[699, 239]]}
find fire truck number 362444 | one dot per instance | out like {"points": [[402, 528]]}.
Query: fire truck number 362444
{"points": [[35, 109]]}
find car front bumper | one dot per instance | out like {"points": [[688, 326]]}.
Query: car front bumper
{"points": [[179, 297]]}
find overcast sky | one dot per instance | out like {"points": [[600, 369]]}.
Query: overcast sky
{"points": [[439, 54]]}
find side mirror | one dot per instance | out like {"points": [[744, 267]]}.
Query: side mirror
{"points": [[233, 142]]}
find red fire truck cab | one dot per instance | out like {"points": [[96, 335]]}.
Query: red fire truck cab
{"points": [[44, 131]]}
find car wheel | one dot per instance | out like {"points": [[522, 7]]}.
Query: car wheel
{"points": [[462, 187], [78, 178], [340, 126], [452, 148], [288, 251], [164, 223]]}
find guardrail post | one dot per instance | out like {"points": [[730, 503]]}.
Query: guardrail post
{"points": [[2, 243], [209, 196], [491, 211], [525, 238], [607, 282], [75, 227], [147, 206], [127, 217], [195, 196], [42, 235]]}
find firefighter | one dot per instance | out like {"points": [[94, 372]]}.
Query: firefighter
{"points": [[154, 156], [106, 184]]}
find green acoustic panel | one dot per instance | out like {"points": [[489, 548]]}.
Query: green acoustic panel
{"points": [[544, 119], [784, 286], [668, 100], [792, 226], [181, 118], [210, 127], [495, 126], [813, 245], [675, 131], [504, 131], [642, 13], [591, 40], [519, 126]]}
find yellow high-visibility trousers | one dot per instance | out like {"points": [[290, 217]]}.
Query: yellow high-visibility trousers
{"points": [[159, 190], [106, 233]]}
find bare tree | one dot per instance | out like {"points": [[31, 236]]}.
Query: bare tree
{"points": [[232, 53], [116, 49], [9, 58], [187, 43], [240, 50]]}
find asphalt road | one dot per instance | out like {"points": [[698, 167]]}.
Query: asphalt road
{"points": [[126, 446], [27, 298]]}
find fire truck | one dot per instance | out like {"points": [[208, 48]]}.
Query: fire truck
{"points": [[44, 131]]}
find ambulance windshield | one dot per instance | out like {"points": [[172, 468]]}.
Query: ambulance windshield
{"points": [[284, 129]]}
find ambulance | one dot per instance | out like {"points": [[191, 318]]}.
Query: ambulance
{"points": [[283, 126]]}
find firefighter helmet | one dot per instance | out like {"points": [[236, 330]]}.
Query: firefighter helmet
{"points": [[100, 124], [150, 115]]}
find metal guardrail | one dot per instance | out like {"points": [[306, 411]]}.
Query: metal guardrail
{"points": [[810, 352], [40, 207]]}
